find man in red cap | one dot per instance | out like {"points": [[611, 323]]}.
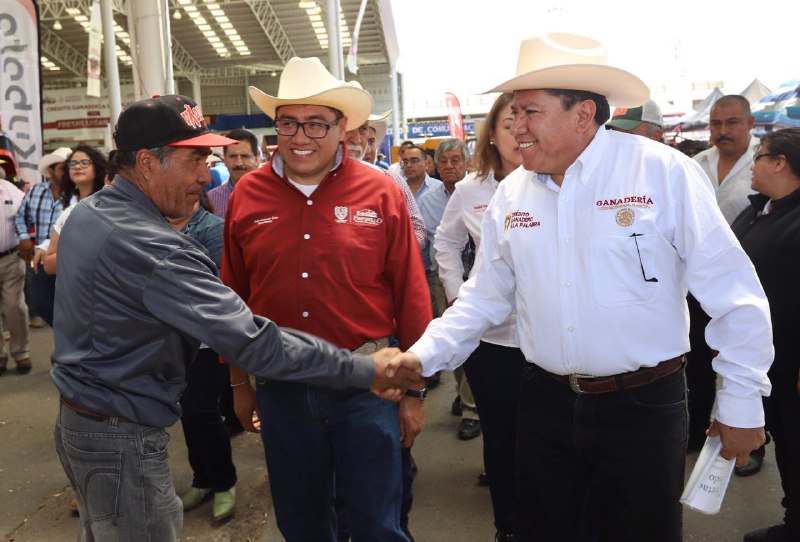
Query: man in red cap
{"points": [[135, 300]]}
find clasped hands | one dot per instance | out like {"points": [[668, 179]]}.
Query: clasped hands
{"points": [[395, 372]]}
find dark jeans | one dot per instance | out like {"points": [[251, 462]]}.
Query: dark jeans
{"points": [[120, 474], [43, 294], [607, 467], [700, 376], [207, 439], [315, 438], [782, 410], [494, 373]]}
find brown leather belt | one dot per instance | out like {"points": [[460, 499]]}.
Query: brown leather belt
{"points": [[91, 413], [608, 384]]}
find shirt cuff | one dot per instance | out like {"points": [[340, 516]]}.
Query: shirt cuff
{"points": [[742, 412], [363, 374]]}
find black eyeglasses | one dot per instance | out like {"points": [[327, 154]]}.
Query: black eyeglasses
{"points": [[74, 164], [652, 279], [414, 160], [312, 129], [756, 156]]}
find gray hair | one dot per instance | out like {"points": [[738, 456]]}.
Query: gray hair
{"points": [[127, 159], [452, 145]]}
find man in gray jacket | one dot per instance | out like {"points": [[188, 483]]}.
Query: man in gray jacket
{"points": [[134, 301]]}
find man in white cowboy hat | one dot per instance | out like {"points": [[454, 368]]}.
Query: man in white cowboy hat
{"points": [[323, 243], [378, 125], [594, 242], [39, 211]]}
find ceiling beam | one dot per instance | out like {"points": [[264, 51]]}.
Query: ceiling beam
{"points": [[271, 25], [183, 61], [62, 52], [50, 10]]}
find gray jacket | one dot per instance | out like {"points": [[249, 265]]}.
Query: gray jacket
{"points": [[135, 298]]}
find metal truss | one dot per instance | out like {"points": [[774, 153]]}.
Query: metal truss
{"points": [[61, 51], [271, 25]]}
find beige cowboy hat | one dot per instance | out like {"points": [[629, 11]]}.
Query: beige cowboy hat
{"points": [[572, 62], [59, 155], [305, 81], [381, 124]]}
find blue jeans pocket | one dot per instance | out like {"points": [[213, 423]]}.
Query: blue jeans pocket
{"points": [[666, 393], [100, 476]]}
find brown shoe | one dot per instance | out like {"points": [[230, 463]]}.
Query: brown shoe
{"points": [[38, 322], [24, 366]]}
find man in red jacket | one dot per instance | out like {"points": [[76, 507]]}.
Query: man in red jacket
{"points": [[323, 243]]}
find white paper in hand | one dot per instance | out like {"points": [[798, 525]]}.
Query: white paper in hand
{"points": [[709, 479]]}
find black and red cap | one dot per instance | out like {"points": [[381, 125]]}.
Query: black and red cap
{"points": [[161, 121]]}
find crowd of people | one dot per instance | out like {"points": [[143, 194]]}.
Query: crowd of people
{"points": [[574, 271]]}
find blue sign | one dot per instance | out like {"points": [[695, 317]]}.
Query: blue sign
{"points": [[436, 128]]}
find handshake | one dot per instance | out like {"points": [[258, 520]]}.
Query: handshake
{"points": [[395, 372]]}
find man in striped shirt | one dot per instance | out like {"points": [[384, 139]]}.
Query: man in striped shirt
{"points": [[40, 209]]}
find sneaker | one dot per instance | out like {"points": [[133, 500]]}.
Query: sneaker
{"points": [[38, 322], [754, 463], [776, 533]]}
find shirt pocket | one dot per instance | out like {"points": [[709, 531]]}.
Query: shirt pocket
{"points": [[623, 269], [359, 254]]}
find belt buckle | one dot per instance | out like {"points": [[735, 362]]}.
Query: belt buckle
{"points": [[575, 385]]}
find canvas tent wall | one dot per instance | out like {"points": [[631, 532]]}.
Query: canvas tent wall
{"points": [[698, 118], [774, 110], [755, 91]]}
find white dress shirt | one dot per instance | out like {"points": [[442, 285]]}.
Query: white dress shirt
{"points": [[733, 190], [595, 299], [462, 217], [12, 199]]}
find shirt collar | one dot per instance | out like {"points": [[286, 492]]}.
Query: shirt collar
{"points": [[587, 161]]}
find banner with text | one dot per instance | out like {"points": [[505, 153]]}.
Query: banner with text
{"points": [[454, 117], [20, 84], [71, 115]]}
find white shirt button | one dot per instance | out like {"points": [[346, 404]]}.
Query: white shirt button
{"points": [[567, 284], [307, 237], [570, 328], [309, 202], [305, 314], [304, 275], [566, 240]]}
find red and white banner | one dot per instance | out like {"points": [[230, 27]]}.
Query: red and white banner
{"points": [[71, 115], [20, 84], [454, 117]]}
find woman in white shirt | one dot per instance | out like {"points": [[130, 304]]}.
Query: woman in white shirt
{"points": [[494, 369]]}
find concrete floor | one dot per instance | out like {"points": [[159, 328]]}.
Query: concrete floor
{"points": [[448, 506]]}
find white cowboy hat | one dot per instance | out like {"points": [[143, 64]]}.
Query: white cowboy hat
{"points": [[305, 81], [61, 154], [572, 62], [212, 159], [381, 124]]}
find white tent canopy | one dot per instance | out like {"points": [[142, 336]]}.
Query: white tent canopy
{"points": [[755, 91], [700, 116]]}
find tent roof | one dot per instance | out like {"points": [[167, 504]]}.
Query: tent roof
{"points": [[700, 116], [755, 91]]}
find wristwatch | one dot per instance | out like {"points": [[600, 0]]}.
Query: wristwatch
{"points": [[419, 394]]}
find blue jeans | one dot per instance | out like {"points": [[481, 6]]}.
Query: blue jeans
{"points": [[207, 440], [120, 475], [315, 438], [605, 467], [43, 294], [494, 373]]}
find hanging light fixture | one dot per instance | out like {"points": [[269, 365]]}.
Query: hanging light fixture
{"points": [[57, 25], [177, 14]]}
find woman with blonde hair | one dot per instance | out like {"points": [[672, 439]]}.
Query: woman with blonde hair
{"points": [[494, 369]]}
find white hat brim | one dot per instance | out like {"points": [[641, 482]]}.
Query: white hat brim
{"points": [[381, 124], [354, 103], [59, 155], [621, 88]]}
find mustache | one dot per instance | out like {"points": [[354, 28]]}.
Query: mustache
{"points": [[722, 138]]}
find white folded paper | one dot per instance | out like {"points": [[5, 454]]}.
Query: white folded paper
{"points": [[709, 479]]}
